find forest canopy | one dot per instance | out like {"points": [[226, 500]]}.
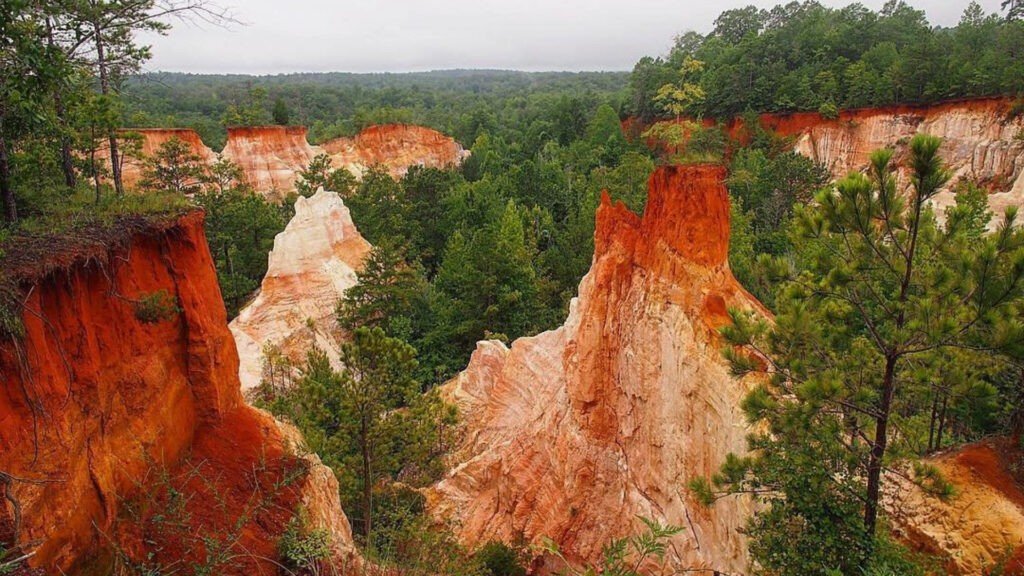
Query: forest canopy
{"points": [[803, 56]]}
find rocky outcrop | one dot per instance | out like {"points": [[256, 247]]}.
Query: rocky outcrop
{"points": [[143, 143], [313, 262], [574, 433], [396, 148], [124, 390], [270, 157], [980, 527], [980, 141]]}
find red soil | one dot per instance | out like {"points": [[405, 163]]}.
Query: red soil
{"points": [[94, 401]]}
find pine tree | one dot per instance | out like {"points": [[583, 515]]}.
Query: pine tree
{"points": [[887, 292], [1014, 9], [389, 292], [174, 167], [280, 113]]}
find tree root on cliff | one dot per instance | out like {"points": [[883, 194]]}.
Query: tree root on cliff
{"points": [[7, 481]]}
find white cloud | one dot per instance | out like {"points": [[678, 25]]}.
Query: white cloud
{"points": [[404, 35]]}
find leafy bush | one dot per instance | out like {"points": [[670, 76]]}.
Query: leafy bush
{"points": [[828, 110], [302, 548], [500, 559], [931, 480], [624, 556], [156, 307]]}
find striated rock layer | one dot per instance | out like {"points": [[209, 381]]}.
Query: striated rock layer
{"points": [[270, 156], [981, 526], [313, 262], [396, 148], [980, 141], [574, 433], [100, 409]]}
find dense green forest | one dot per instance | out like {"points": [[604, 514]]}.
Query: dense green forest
{"points": [[462, 103], [891, 342], [806, 56]]}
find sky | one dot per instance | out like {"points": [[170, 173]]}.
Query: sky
{"points": [[279, 36]]}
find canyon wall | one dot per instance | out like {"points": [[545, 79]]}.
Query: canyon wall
{"points": [[396, 148], [110, 406], [148, 142], [313, 262], [979, 528], [574, 433], [980, 142], [271, 157]]}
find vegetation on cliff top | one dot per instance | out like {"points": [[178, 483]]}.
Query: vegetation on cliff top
{"points": [[806, 56]]}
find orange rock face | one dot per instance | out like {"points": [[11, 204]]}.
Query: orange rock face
{"points": [[96, 403], [395, 147], [981, 526], [573, 433], [980, 142], [271, 157]]}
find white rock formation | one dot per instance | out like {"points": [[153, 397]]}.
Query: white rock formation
{"points": [[313, 262]]}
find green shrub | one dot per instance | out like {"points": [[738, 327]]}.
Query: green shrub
{"points": [[302, 548], [1016, 110], [930, 479], [500, 559], [624, 556], [828, 111], [156, 307]]}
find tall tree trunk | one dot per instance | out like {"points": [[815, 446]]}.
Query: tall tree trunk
{"points": [[6, 188], [933, 419], [66, 160], [101, 63], [95, 170], [879, 445], [888, 391], [1017, 418], [367, 485], [942, 422]]}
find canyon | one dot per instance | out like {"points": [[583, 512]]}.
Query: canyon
{"points": [[575, 433], [572, 434], [271, 157], [314, 260], [121, 394]]}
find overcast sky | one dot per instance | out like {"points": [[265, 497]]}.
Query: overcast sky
{"points": [[411, 35]]}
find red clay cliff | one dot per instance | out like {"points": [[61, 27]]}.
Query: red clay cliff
{"points": [[574, 433], [107, 413]]}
